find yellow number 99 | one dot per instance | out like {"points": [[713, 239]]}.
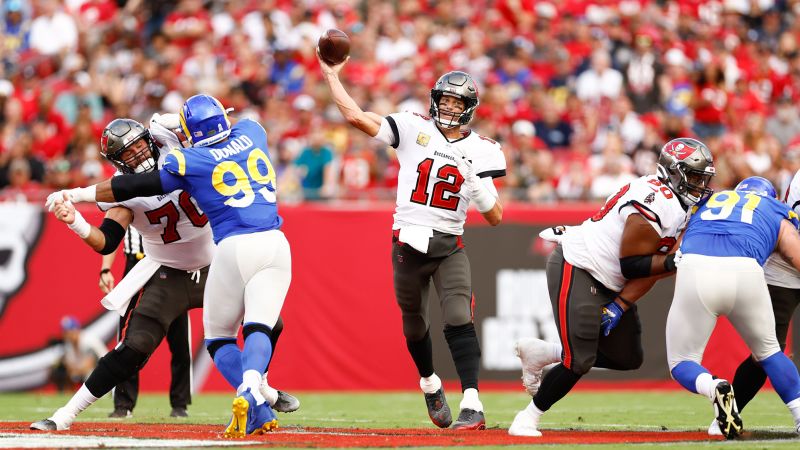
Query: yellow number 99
{"points": [[260, 178], [242, 184], [242, 180]]}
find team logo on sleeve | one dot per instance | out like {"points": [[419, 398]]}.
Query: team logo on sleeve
{"points": [[423, 139], [651, 197]]}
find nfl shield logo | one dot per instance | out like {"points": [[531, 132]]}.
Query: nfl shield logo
{"points": [[423, 139]]}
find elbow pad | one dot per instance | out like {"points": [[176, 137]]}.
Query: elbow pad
{"points": [[126, 187], [114, 233], [636, 266]]}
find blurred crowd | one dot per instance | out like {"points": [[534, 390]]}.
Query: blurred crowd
{"points": [[581, 94]]}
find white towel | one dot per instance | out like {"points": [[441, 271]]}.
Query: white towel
{"points": [[416, 236], [119, 297], [553, 234]]}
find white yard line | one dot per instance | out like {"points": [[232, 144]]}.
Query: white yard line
{"points": [[18, 440]]}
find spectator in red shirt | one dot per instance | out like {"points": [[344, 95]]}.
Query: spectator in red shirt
{"points": [[188, 23]]}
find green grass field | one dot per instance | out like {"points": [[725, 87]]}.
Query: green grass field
{"points": [[581, 410]]}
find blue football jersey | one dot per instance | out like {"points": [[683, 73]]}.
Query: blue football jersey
{"points": [[735, 223], [232, 181]]}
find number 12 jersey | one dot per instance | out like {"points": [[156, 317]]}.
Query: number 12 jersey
{"points": [[429, 184]]}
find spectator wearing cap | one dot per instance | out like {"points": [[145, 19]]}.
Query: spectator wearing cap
{"points": [[82, 350], [600, 80], [14, 28], [52, 22], [784, 124]]}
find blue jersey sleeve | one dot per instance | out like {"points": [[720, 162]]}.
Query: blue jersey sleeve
{"points": [[173, 171]]}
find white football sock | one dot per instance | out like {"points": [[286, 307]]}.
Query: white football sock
{"points": [[431, 384], [252, 379], [794, 408], [471, 400], [269, 392], [77, 404], [705, 384], [533, 410]]}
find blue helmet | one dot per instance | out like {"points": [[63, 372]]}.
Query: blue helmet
{"points": [[757, 185], [204, 120]]}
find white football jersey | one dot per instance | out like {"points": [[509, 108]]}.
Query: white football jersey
{"points": [[594, 245], [777, 271], [429, 183], [174, 230]]}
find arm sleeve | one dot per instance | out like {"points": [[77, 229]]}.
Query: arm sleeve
{"points": [[126, 187], [113, 233]]}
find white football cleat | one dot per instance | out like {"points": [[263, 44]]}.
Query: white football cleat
{"points": [[525, 424], [713, 429], [535, 355]]}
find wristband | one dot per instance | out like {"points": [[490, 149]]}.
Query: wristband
{"points": [[484, 200], [104, 271], [80, 226], [625, 302], [85, 195]]}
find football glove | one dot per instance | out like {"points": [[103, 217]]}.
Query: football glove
{"points": [[475, 190], [612, 313]]}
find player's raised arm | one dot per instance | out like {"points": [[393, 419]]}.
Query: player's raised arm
{"points": [[368, 122]]}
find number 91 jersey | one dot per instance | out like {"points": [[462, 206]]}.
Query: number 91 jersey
{"points": [[233, 181], [429, 184], [594, 245]]}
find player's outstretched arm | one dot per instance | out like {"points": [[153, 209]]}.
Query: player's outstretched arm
{"points": [[368, 122], [116, 189], [638, 251], [104, 239]]}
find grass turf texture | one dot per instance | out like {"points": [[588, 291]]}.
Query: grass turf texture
{"points": [[766, 418]]}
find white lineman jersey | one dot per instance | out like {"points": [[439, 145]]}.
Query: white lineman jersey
{"points": [[777, 271], [429, 183], [594, 245], [174, 230]]}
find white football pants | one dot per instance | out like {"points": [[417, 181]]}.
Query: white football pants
{"points": [[248, 279], [709, 286]]}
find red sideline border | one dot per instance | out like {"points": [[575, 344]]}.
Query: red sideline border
{"points": [[359, 437]]}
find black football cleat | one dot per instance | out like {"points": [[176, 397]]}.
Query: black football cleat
{"points": [[44, 425], [730, 424], [469, 419], [286, 403], [438, 410]]}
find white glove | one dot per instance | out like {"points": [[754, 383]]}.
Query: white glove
{"points": [[553, 234], [169, 121], [76, 195], [477, 192]]}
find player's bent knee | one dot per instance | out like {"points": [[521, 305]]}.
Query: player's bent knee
{"points": [[582, 366], [123, 361]]}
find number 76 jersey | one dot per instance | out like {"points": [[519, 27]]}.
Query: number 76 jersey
{"points": [[233, 181], [594, 245]]}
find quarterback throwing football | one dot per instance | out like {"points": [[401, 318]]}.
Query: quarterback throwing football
{"points": [[442, 169]]}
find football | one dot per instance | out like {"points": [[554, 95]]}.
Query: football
{"points": [[334, 46]]}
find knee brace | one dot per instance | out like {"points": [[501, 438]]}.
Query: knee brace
{"points": [[115, 367], [254, 327], [213, 346], [144, 334]]}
